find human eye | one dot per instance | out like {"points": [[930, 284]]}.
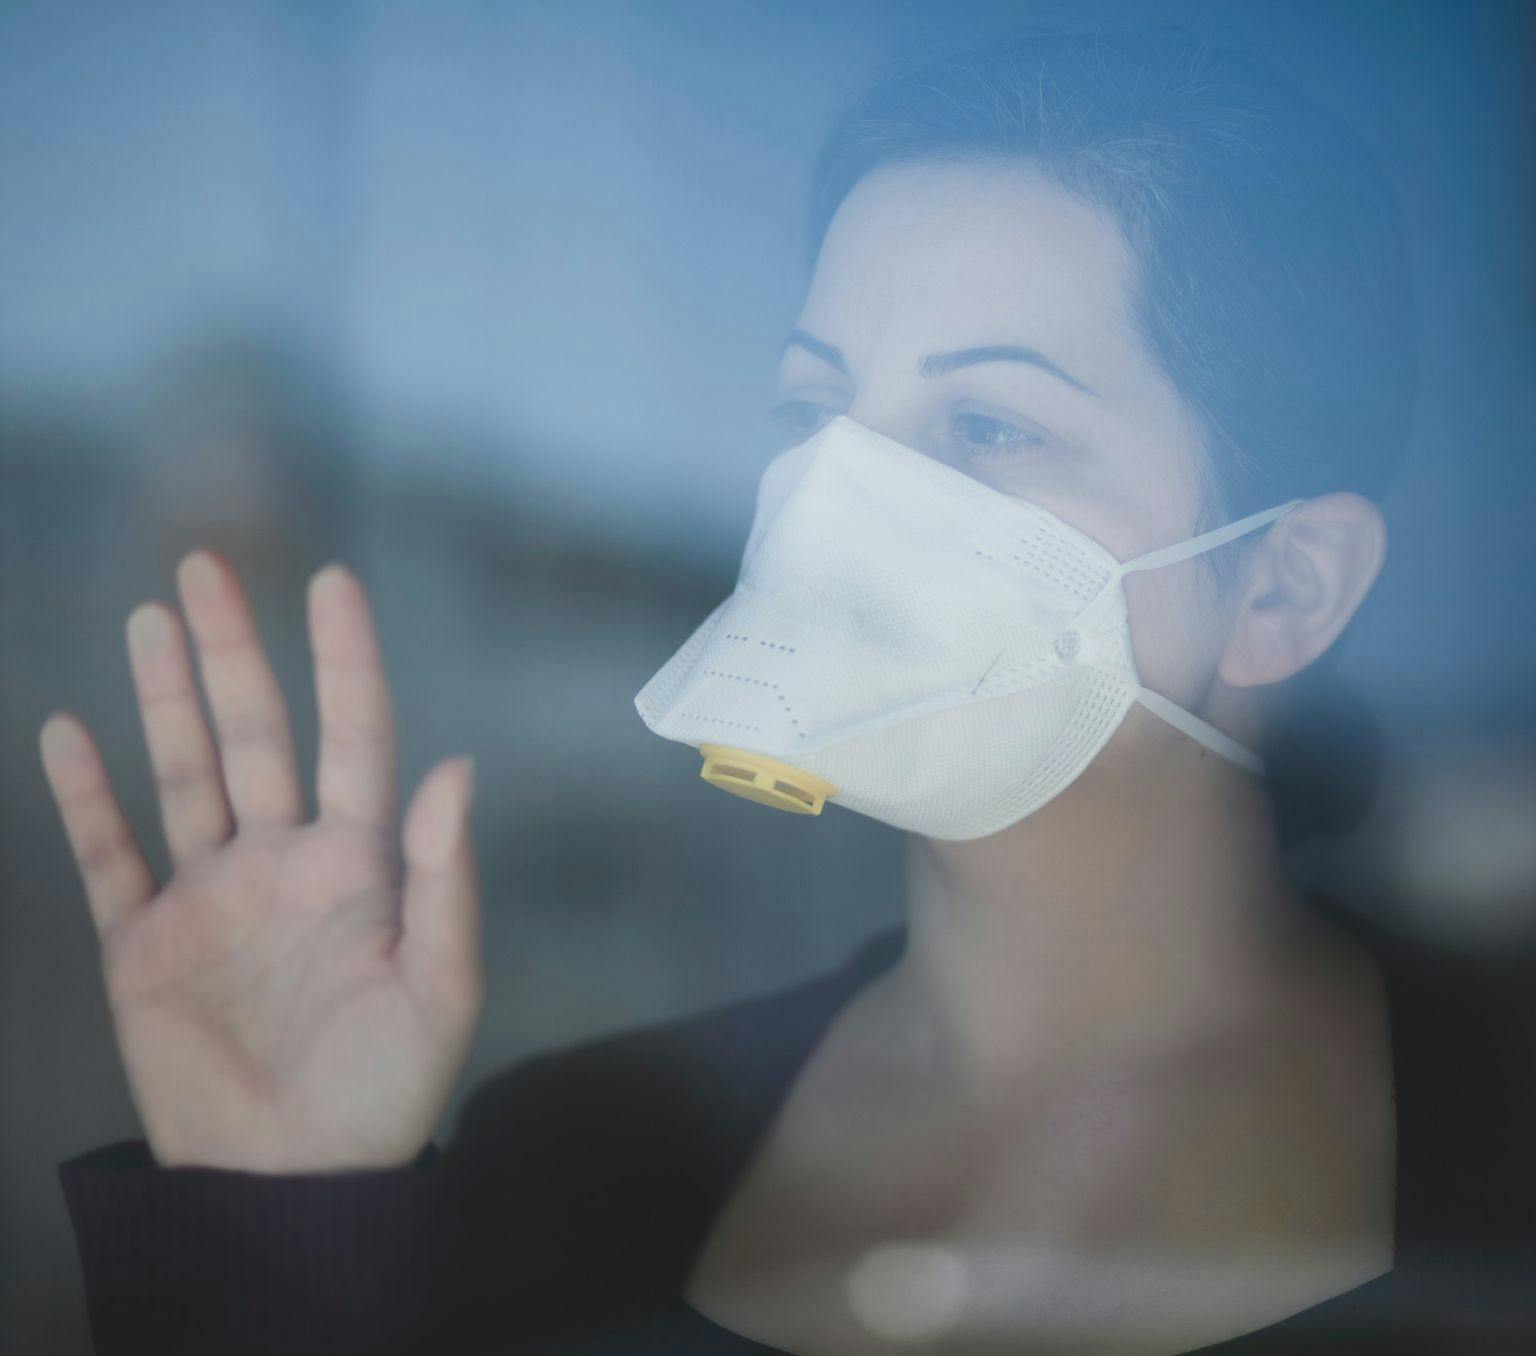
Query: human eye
{"points": [[985, 438], [798, 419]]}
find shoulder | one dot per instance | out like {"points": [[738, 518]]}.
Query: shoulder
{"points": [[590, 1170], [1464, 1039], [1464, 1045], [690, 1067], [676, 1100]]}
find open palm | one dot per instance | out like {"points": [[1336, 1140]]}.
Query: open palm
{"points": [[285, 1002]]}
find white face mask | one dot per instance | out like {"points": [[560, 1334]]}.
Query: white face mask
{"points": [[927, 650]]}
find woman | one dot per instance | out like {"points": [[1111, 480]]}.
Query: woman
{"points": [[1116, 1087]]}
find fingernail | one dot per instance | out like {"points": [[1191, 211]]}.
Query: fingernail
{"points": [[329, 576], [199, 575], [58, 737], [147, 628]]}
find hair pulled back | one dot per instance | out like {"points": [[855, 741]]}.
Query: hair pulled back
{"points": [[1271, 282]]}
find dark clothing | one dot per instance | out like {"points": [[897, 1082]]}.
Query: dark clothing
{"points": [[566, 1214]]}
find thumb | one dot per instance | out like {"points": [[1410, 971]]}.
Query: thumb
{"points": [[440, 909]]}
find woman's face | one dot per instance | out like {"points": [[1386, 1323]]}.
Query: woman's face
{"points": [[925, 261]]}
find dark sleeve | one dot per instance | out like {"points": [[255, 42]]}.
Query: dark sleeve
{"points": [[570, 1191], [193, 1259]]}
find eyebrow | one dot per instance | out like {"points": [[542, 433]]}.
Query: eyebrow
{"points": [[940, 364]]}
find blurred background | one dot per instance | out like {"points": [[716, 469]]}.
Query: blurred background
{"points": [[485, 300]]}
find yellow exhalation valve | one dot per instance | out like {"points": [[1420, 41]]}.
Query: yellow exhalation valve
{"points": [[765, 780]]}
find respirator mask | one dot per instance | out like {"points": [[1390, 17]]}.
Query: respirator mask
{"points": [[914, 645]]}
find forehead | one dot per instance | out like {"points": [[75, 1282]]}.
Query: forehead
{"points": [[950, 255]]}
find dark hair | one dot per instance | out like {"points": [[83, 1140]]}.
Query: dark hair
{"points": [[1272, 279]]}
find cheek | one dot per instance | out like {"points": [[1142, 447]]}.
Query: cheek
{"points": [[1175, 631]]}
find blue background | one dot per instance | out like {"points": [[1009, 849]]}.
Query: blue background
{"points": [[485, 299]]}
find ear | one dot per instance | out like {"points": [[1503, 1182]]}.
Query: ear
{"points": [[1301, 585]]}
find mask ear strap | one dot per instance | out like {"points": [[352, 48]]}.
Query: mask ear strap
{"points": [[1183, 550], [1206, 541], [1200, 731]]}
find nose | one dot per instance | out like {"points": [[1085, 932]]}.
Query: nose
{"points": [[886, 414], [905, 426], [892, 421]]}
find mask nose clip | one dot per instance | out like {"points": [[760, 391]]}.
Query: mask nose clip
{"points": [[765, 780]]}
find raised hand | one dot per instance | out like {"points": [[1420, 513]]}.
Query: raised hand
{"points": [[284, 1002]]}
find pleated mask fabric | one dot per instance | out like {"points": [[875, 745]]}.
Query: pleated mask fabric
{"points": [[948, 656]]}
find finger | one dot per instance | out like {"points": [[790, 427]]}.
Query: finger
{"points": [[193, 810], [255, 744], [440, 914], [117, 879], [355, 775]]}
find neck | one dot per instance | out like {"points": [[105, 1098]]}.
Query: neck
{"points": [[1139, 915]]}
